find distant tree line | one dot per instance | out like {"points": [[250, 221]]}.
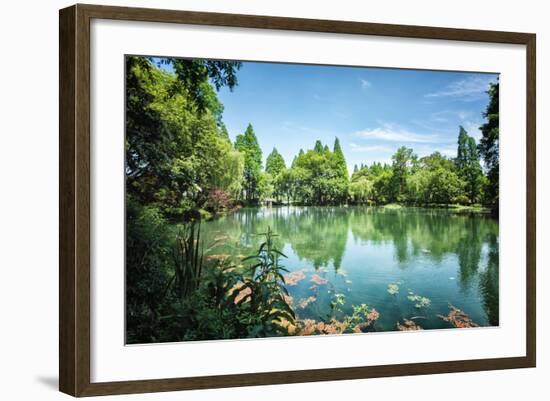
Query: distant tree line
{"points": [[180, 159], [433, 179]]}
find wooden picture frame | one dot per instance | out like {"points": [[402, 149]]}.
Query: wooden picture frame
{"points": [[74, 199]]}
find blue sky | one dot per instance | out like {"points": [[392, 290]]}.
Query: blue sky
{"points": [[373, 111]]}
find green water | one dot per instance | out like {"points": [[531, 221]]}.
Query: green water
{"points": [[450, 259]]}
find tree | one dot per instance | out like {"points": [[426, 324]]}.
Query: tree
{"points": [[265, 186], [318, 178], [174, 154], [361, 190], [434, 185], [489, 146], [274, 163], [340, 159], [318, 147], [196, 75], [401, 163], [382, 191], [342, 168], [469, 169], [247, 143], [230, 170], [462, 155], [284, 184], [224, 133]]}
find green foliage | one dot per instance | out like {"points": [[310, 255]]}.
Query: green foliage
{"points": [[317, 177], [361, 190], [148, 265], [176, 148], [264, 306], [469, 169], [489, 146], [372, 184], [247, 144], [183, 297], [194, 75], [402, 162], [265, 186], [275, 163], [188, 260], [284, 184], [435, 181], [318, 148]]}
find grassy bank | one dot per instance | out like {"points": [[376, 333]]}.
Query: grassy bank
{"points": [[476, 208]]}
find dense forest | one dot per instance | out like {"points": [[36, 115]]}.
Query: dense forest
{"points": [[182, 167]]}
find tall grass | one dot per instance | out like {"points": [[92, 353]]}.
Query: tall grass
{"points": [[188, 259]]}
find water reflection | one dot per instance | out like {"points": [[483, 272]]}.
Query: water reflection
{"points": [[357, 239]]}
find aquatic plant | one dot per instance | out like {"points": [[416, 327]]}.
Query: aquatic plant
{"points": [[303, 303], [458, 318], [419, 301], [361, 320], [408, 325], [393, 289], [318, 279], [309, 327], [294, 278], [337, 302]]}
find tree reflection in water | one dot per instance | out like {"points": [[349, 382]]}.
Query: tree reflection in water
{"points": [[320, 237]]}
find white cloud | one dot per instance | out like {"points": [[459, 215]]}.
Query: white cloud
{"points": [[463, 114], [449, 152], [365, 84], [394, 133], [370, 148], [445, 150], [467, 89], [472, 127]]}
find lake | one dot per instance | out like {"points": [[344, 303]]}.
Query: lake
{"points": [[390, 259]]}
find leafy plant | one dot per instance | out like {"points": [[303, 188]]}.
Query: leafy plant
{"points": [[188, 259], [264, 306]]}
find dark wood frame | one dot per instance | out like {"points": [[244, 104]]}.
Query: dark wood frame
{"points": [[74, 199]]}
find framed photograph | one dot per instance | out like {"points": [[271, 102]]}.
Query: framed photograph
{"points": [[250, 200]]}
